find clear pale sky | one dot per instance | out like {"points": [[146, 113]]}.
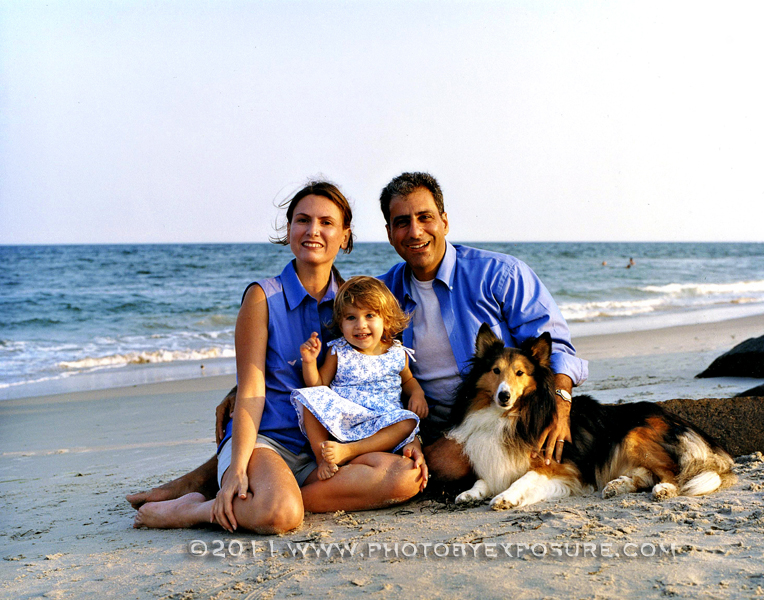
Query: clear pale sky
{"points": [[184, 121]]}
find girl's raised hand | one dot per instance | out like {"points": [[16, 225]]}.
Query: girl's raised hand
{"points": [[310, 350]]}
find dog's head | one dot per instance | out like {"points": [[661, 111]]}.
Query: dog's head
{"points": [[509, 374]]}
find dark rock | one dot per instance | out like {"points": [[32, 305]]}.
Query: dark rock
{"points": [[754, 391], [744, 360], [734, 422]]}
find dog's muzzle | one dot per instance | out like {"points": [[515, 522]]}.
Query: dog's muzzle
{"points": [[503, 396]]}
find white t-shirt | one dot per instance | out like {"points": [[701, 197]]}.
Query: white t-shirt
{"points": [[435, 368]]}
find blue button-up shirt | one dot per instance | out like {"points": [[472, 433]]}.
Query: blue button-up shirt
{"points": [[475, 286]]}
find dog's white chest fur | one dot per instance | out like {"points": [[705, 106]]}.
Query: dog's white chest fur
{"points": [[484, 435]]}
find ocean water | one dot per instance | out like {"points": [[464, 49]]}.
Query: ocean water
{"points": [[82, 317]]}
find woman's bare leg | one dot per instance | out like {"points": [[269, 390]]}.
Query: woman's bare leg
{"points": [[273, 504], [384, 440], [375, 480]]}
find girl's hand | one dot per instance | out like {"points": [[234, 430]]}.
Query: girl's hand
{"points": [[235, 484], [418, 405], [310, 350]]}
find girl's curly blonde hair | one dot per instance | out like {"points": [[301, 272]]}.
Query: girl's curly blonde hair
{"points": [[362, 290]]}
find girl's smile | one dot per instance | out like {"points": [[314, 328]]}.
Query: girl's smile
{"points": [[363, 329]]}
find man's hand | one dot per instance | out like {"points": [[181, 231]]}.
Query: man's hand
{"points": [[414, 452], [558, 432], [224, 413]]}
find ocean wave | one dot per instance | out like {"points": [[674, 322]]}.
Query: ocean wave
{"points": [[704, 289], [145, 357], [586, 311], [8, 384], [668, 297]]}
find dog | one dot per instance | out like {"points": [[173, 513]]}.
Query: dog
{"points": [[507, 399]]}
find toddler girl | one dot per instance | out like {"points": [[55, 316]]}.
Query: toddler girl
{"points": [[367, 369]]}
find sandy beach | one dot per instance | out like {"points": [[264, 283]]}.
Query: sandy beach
{"points": [[67, 462]]}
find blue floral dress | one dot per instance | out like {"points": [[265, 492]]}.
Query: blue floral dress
{"points": [[364, 397]]}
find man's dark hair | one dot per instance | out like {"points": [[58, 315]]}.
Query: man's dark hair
{"points": [[407, 183]]}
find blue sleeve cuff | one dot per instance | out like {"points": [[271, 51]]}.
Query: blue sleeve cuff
{"points": [[572, 366]]}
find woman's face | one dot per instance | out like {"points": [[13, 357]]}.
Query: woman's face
{"points": [[316, 232]]}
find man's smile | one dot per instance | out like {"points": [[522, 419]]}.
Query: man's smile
{"points": [[418, 245]]}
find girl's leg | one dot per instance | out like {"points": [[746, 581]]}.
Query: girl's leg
{"points": [[383, 441], [273, 504], [375, 480], [318, 435]]}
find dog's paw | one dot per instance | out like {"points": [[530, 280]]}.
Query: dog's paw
{"points": [[505, 501], [664, 491], [618, 487], [468, 497]]}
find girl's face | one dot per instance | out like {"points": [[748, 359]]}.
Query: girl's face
{"points": [[363, 329], [316, 232]]}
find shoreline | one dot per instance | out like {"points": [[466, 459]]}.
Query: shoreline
{"points": [[67, 461], [701, 337]]}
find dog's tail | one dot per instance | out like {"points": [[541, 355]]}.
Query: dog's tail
{"points": [[703, 468]]}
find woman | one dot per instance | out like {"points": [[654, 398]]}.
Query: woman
{"points": [[267, 478]]}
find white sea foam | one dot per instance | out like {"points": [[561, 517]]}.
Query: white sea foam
{"points": [[703, 289], [669, 297], [145, 357]]}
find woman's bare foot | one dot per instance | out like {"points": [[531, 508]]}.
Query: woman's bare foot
{"points": [[337, 453], [326, 470], [186, 511]]}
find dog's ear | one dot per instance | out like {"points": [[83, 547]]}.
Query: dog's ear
{"points": [[485, 339], [540, 348]]}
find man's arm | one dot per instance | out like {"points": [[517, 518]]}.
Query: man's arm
{"points": [[223, 414], [558, 432], [529, 310]]}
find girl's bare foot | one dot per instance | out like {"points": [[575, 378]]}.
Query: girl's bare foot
{"points": [[186, 511], [326, 470], [337, 453]]}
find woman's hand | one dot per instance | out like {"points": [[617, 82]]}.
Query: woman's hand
{"points": [[235, 484]]}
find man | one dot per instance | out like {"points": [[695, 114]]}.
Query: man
{"points": [[451, 291]]}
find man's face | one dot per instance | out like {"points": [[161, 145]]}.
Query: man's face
{"points": [[418, 231]]}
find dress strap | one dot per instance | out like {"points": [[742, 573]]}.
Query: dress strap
{"points": [[409, 351], [340, 343]]}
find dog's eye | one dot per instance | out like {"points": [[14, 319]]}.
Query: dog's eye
{"points": [[519, 373], [496, 370]]}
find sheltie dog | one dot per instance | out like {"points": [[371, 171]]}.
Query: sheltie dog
{"points": [[507, 400]]}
